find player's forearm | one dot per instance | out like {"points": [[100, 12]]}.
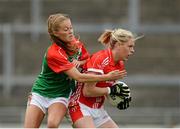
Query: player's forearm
{"points": [[92, 78], [82, 62], [95, 92], [82, 77]]}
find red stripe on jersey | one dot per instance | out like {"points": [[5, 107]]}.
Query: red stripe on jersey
{"points": [[75, 113]]}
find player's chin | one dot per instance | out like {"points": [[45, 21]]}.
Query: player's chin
{"points": [[125, 59], [70, 38]]}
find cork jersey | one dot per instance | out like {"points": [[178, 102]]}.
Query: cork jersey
{"points": [[52, 82], [100, 63]]}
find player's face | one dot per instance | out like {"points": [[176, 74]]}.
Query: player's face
{"points": [[65, 32], [126, 49]]}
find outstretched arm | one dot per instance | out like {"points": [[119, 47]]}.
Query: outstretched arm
{"points": [[82, 77]]}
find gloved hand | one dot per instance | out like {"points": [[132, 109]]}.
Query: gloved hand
{"points": [[120, 89], [124, 104]]}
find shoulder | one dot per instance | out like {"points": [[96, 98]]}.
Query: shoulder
{"points": [[99, 59], [100, 55], [55, 51], [97, 62]]}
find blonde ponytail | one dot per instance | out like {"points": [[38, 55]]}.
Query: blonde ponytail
{"points": [[105, 37]]}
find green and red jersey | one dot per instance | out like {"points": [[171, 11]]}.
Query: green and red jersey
{"points": [[52, 82]]}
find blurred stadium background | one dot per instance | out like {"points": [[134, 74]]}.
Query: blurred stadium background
{"points": [[153, 72]]}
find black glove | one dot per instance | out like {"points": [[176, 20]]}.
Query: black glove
{"points": [[124, 104], [120, 89]]}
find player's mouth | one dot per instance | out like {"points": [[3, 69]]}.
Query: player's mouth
{"points": [[71, 36]]}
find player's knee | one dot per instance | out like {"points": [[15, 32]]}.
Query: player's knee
{"points": [[52, 124]]}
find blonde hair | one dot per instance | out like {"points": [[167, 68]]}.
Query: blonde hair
{"points": [[116, 35], [54, 22]]}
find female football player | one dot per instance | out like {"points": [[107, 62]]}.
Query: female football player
{"points": [[51, 90], [86, 103]]}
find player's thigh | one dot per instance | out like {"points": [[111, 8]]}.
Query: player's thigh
{"points": [[56, 113], [84, 122], [109, 124], [33, 117]]}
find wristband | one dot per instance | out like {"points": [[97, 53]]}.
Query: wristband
{"points": [[109, 90]]}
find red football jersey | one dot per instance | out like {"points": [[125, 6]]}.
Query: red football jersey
{"points": [[57, 59], [101, 62]]}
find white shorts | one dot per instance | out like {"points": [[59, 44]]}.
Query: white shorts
{"points": [[99, 115], [43, 102]]}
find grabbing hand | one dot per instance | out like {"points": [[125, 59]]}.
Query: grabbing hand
{"points": [[116, 74], [76, 63]]}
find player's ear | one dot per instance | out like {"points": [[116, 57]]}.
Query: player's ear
{"points": [[117, 44], [56, 33]]}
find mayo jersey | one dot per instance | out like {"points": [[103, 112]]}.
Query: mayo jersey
{"points": [[82, 53], [52, 82], [101, 62]]}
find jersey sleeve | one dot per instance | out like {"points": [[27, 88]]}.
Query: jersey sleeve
{"points": [[95, 64], [58, 61]]}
